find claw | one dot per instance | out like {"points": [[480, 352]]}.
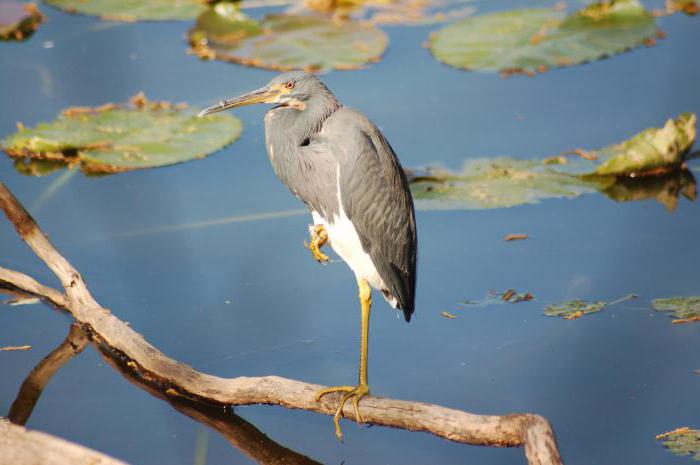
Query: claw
{"points": [[319, 237], [351, 392]]}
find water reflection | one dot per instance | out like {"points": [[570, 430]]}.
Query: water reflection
{"points": [[240, 433], [665, 189]]}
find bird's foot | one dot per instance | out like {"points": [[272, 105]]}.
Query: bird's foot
{"points": [[350, 392], [319, 236]]}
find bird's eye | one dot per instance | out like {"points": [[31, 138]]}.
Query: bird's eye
{"points": [[289, 85]]}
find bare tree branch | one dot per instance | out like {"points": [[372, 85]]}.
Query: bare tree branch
{"points": [[23, 447], [180, 380]]}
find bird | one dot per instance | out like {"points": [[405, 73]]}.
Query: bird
{"points": [[340, 165]]}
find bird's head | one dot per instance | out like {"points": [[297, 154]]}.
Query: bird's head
{"points": [[293, 89]]}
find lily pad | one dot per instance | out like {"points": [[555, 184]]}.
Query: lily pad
{"points": [[689, 7], [649, 165], [18, 21], [650, 150], [534, 40], [574, 309], [682, 441], [683, 309], [285, 42], [134, 10], [114, 138]]}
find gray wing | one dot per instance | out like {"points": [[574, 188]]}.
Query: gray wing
{"points": [[376, 198]]}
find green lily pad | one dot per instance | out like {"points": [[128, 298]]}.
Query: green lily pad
{"points": [[494, 183], [683, 309], [134, 10], [115, 138], [285, 42], [573, 309], [682, 441], [18, 21], [534, 40], [649, 165]]}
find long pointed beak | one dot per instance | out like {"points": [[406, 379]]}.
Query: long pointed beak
{"points": [[263, 95]]}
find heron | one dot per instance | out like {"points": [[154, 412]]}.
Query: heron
{"points": [[336, 161]]}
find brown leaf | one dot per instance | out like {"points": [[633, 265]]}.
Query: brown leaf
{"points": [[515, 237], [448, 315]]}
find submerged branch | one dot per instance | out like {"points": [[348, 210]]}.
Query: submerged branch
{"points": [[179, 380]]}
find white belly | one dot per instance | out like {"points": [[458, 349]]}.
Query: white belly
{"points": [[343, 238]]}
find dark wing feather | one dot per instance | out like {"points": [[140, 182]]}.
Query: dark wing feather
{"points": [[376, 198]]}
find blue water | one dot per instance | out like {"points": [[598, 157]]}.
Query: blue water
{"points": [[245, 298]]}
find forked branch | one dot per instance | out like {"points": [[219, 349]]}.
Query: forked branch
{"points": [[177, 379]]}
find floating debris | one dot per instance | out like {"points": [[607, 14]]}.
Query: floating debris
{"points": [[14, 348], [682, 441], [574, 309], [18, 21], [684, 309]]}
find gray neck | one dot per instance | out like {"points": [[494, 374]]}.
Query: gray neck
{"points": [[287, 136]]}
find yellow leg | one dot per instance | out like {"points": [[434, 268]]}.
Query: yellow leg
{"points": [[362, 389], [319, 236]]}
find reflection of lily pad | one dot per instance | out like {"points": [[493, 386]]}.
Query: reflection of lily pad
{"points": [[115, 138], [18, 21], [645, 166], [285, 42], [682, 441], [683, 309], [665, 188], [532, 40], [133, 10]]}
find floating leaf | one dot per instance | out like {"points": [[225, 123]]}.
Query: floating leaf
{"points": [[649, 165], [515, 237], [18, 21], [285, 42], [448, 315], [683, 309], [574, 309], [682, 441], [510, 296], [114, 138], [495, 183], [651, 150], [534, 40], [689, 7], [134, 10]]}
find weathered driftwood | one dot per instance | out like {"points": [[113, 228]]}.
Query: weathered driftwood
{"points": [[532, 432], [20, 446]]}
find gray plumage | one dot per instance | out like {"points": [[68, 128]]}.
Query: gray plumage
{"points": [[338, 163]]}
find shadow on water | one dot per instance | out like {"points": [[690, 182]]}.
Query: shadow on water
{"points": [[240, 433]]}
